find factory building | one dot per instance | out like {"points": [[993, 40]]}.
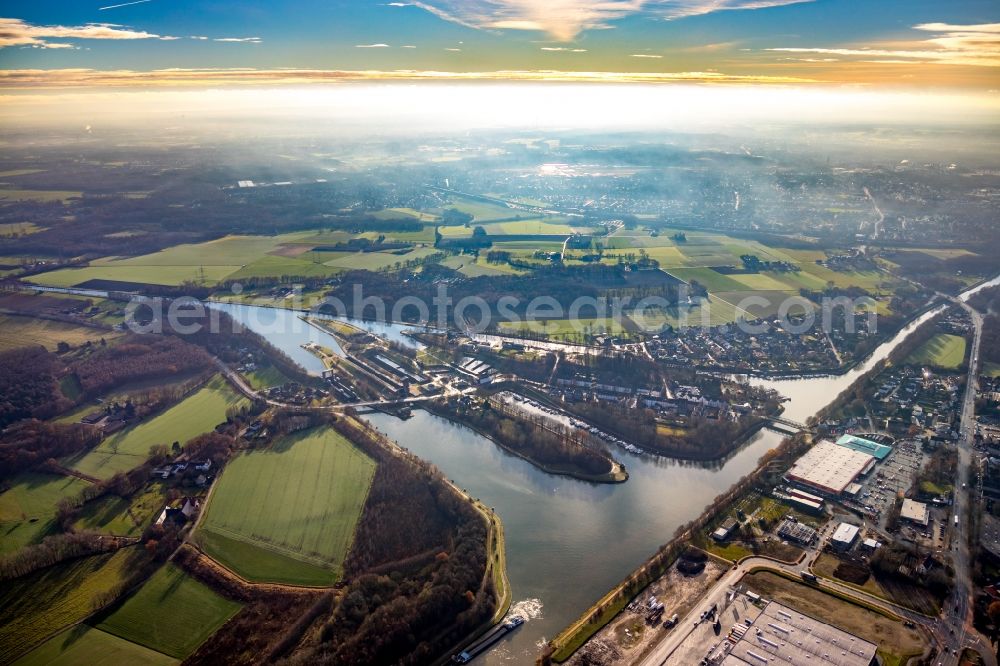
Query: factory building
{"points": [[915, 512], [845, 536], [829, 469]]}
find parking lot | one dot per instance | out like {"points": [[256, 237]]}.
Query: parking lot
{"points": [[892, 476]]}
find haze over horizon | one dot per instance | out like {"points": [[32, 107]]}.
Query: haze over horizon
{"points": [[946, 54]]}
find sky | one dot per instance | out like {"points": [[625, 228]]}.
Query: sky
{"points": [[913, 44]]}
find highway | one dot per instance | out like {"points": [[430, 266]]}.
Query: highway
{"points": [[958, 612]]}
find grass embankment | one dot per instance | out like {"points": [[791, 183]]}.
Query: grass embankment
{"points": [[171, 613], [288, 514], [198, 413]]}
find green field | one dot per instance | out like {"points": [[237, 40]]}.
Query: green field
{"points": [[484, 211], [122, 272], [28, 507], [40, 604], [121, 516], [86, 645], [198, 413], [171, 613], [375, 261], [200, 262], [43, 196], [288, 514], [279, 266], [404, 214], [19, 228], [942, 351], [567, 329], [266, 377], [541, 226], [17, 331], [712, 311], [471, 267]]}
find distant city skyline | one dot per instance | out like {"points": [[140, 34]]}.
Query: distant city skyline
{"points": [[870, 45]]}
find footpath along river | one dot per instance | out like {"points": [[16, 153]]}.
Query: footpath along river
{"points": [[569, 541]]}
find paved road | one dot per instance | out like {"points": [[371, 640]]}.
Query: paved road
{"points": [[668, 646], [957, 618]]}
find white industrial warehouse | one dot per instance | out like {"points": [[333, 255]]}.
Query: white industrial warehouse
{"points": [[830, 468]]}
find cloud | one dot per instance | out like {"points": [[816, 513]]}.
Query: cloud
{"points": [[565, 19], [645, 55], [950, 27], [16, 32], [976, 45], [28, 79], [683, 8], [564, 49], [371, 46], [248, 40]]}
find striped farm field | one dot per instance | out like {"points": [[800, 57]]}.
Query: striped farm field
{"points": [[171, 613], [287, 514], [943, 351]]}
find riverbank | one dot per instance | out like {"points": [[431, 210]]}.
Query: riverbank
{"points": [[681, 455], [605, 609], [495, 571]]}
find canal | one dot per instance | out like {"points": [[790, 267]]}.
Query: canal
{"points": [[570, 541]]}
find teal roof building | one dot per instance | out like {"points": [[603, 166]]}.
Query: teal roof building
{"points": [[874, 449]]}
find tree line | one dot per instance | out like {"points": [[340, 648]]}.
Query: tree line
{"points": [[29, 385], [137, 357], [528, 437]]}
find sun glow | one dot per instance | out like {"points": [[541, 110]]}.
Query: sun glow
{"points": [[384, 106]]}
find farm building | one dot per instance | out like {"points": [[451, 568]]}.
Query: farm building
{"points": [[781, 636], [829, 468], [845, 536], [915, 512], [874, 449]]}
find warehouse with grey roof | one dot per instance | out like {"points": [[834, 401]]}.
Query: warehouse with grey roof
{"points": [[781, 636]]}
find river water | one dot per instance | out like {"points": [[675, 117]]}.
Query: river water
{"points": [[569, 541]]}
